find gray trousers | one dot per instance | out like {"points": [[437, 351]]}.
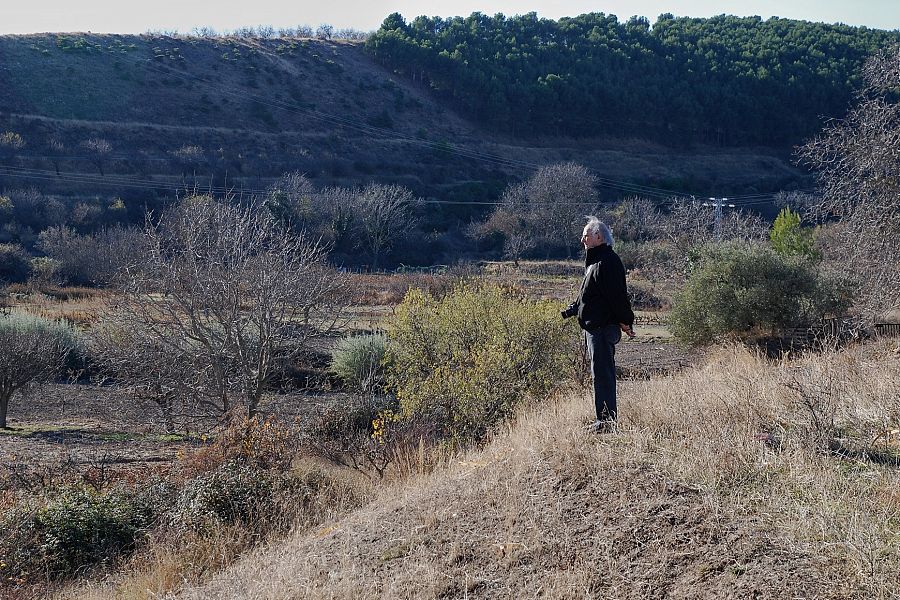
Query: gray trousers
{"points": [[601, 347]]}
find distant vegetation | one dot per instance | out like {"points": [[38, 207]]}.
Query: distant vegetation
{"points": [[726, 80]]}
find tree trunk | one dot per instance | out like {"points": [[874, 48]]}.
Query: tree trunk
{"points": [[4, 405]]}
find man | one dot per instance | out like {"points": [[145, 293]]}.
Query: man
{"points": [[604, 312]]}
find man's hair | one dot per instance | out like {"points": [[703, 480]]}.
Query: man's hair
{"points": [[595, 225]]}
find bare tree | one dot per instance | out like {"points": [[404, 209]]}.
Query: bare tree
{"points": [[225, 289], [32, 350], [99, 150], [154, 369], [513, 226], [550, 205], [188, 158], [858, 163], [57, 151], [635, 219], [325, 31], [383, 213]]}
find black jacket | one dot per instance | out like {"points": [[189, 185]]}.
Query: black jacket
{"points": [[603, 298]]}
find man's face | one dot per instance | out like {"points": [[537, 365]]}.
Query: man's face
{"points": [[590, 239]]}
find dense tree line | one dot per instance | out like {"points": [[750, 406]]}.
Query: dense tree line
{"points": [[727, 80]]}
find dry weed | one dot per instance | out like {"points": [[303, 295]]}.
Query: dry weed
{"points": [[717, 485]]}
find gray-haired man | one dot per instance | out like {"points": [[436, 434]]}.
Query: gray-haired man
{"points": [[604, 312]]}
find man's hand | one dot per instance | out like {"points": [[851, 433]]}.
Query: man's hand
{"points": [[627, 329]]}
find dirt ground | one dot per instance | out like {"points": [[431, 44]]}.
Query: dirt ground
{"points": [[80, 426]]}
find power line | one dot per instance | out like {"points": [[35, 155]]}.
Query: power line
{"points": [[371, 130]]}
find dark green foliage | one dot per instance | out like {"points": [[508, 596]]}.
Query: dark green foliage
{"points": [[234, 493], [72, 531], [739, 291], [727, 80], [15, 264]]}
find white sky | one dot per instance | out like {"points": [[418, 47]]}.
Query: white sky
{"points": [[130, 16]]}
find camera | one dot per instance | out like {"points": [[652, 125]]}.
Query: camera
{"points": [[570, 311]]}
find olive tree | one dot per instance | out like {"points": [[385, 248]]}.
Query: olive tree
{"points": [[32, 350], [223, 297], [858, 169]]}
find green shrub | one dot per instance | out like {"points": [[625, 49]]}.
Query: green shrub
{"points": [[653, 256], [57, 333], [45, 269], [235, 492], [73, 530], [469, 358], [357, 361], [742, 292], [790, 238]]}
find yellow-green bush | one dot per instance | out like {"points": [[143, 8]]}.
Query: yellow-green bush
{"points": [[469, 358]]}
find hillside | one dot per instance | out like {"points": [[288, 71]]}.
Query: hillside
{"points": [[171, 113], [712, 488], [727, 80]]}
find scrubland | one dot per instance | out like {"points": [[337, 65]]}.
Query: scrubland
{"points": [[738, 477]]}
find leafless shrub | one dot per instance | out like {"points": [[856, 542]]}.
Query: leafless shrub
{"points": [[858, 168], [10, 143], [228, 291], [39, 478], [818, 402], [368, 436], [188, 157], [90, 259]]}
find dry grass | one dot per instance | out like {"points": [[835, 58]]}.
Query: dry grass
{"points": [[717, 485], [79, 305], [388, 289]]}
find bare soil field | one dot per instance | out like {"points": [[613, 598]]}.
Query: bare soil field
{"points": [[83, 425]]}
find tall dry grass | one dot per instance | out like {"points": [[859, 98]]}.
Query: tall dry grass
{"points": [[741, 477], [808, 447]]}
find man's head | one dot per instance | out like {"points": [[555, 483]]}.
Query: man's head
{"points": [[596, 233]]}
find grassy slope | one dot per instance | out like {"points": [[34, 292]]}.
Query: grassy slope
{"points": [[151, 96], [686, 501]]}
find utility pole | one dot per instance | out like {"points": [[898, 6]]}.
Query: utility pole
{"points": [[718, 204]]}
